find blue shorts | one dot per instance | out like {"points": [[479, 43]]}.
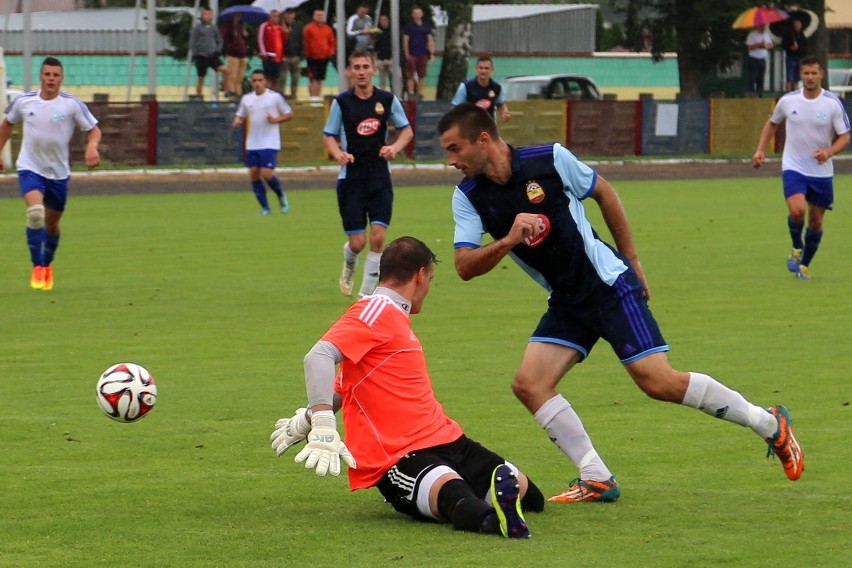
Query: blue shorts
{"points": [[621, 317], [817, 190], [361, 199], [794, 69], [261, 158], [55, 191]]}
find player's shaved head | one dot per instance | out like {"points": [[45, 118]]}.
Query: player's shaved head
{"points": [[471, 121]]}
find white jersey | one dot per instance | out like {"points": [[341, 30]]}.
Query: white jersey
{"points": [[811, 124], [262, 134], [48, 128]]}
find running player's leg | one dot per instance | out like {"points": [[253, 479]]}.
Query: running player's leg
{"points": [[32, 188], [820, 197], [379, 208], [795, 189]]}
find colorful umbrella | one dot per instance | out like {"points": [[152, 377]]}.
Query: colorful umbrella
{"points": [[759, 16]]}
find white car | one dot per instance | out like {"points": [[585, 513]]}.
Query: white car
{"points": [[840, 81]]}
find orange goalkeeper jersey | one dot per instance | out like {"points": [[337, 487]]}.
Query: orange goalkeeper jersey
{"points": [[389, 407]]}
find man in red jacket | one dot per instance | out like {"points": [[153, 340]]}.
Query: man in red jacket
{"points": [[320, 47], [270, 47]]}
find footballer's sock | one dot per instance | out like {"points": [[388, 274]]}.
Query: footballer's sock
{"points": [[260, 193], [275, 185], [458, 503], [796, 232], [371, 273], [712, 397], [51, 243], [565, 429], [349, 257], [35, 242], [812, 240]]}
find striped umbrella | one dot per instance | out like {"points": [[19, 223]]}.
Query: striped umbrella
{"points": [[759, 16]]}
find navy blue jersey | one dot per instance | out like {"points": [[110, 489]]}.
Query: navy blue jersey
{"points": [[572, 261], [488, 97], [364, 125]]}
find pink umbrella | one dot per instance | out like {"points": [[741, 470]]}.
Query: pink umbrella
{"points": [[759, 16]]}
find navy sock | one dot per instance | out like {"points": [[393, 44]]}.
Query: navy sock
{"points": [[812, 240], [275, 184], [260, 193], [796, 232], [51, 243], [35, 242]]}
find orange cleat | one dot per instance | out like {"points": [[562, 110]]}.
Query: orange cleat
{"points": [[48, 278], [583, 490], [784, 444], [37, 278]]}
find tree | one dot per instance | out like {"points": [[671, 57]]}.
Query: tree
{"points": [[457, 47], [699, 31]]}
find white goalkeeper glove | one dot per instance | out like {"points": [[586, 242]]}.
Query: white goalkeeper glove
{"points": [[290, 431], [325, 449]]}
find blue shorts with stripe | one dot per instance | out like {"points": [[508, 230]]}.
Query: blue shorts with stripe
{"points": [[360, 199], [265, 158], [55, 191], [621, 317], [817, 190]]}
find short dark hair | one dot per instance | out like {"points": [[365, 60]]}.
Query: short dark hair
{"points": [[258, 72], [359, 53], [403, 258], [52, 62], [810, 60], [485, 58], [471, 121], [289, 10]]}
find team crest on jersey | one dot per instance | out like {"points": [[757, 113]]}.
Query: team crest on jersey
{"points": [[368, 126], [379, 108], [821, 116], [484, 103], [58, 116], [492, 94], [534, 192]]}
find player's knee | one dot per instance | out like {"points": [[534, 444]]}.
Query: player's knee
{"points": [[523, 387], [35, 216]]}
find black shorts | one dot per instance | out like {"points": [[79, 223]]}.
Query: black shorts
{"points": [[472, 461], [317, 68], [271, 68], [205, 62], [362, 198]]}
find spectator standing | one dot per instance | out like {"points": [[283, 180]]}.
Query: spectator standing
{"points": [[205, 44], [759, 43], [795, 45], [235, 44], [270, 47], [383, 49], [483, 91], [319, 47], [418, 47], [359, 30], [292, 64]]}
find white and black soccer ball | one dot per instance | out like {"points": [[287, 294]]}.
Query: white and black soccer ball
{"points": [[126, 392]]}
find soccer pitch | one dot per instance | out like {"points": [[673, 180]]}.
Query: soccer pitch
{"points": [[221, 305]]}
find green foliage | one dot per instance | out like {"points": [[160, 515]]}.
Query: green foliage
{"points": [[221, 306]]}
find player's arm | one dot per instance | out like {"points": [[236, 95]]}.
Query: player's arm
{"points": [[769, 130], [93, 138], [615, 217], [503, 109], [405, 132], [822, 155], [6, 128]]}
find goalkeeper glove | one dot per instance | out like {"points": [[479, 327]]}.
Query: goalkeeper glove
{"points": [[325, 449], [290, 431]]}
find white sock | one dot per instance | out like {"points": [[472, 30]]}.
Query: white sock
{"points": [[351, 258], [712, 397], [565, 429], [371, 273]]}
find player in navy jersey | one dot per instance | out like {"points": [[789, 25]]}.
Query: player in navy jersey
{"points": [[483, 91], [530, 201], [356, 137], [49, 117]]}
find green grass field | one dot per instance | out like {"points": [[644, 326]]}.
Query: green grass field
{"points": [[221, 305]]}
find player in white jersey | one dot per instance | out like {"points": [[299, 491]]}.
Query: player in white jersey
{"points": [[817, 129], [264, 109], [49, 117]]}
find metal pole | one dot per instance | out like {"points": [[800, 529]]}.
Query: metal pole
{"points": [[152, 47], [214, 77], [340, 28], [396, 70], [132, 58], [189, 53], [28, 45]]}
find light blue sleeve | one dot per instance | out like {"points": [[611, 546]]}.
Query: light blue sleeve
{"points": [[469, 229], [578, 178], [501, 98], [398, 116], [335, 120], [461, 95]]}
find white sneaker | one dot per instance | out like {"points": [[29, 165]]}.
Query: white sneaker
{"points": [[347, 277]]}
